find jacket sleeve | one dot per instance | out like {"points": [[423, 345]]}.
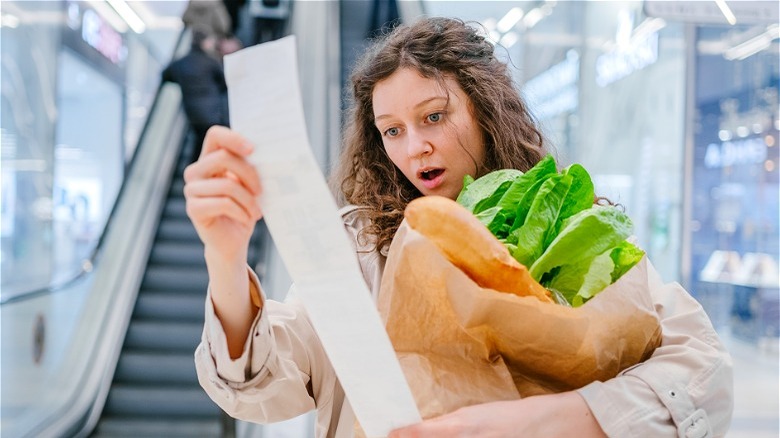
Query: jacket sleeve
{"points": [[280, 373], [685, 389]]}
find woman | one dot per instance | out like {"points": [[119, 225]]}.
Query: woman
{"points": [[431, 105]]}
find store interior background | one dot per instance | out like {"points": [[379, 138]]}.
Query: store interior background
{"points": [[674, 111]]}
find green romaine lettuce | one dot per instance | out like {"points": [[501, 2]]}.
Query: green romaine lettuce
{"points": [[583, 236], [541, 220], [548, 222], [486, 191]]}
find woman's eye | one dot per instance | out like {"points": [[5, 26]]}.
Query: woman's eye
{"points": [[392, 132], [435, 117]]}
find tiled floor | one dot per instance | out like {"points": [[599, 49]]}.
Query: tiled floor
{"points": [[756, 389]]}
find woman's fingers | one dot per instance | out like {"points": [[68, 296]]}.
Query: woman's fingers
{"points": [[226, 187], [220, 137], [221, 163], [205, 211], [222, 184]]}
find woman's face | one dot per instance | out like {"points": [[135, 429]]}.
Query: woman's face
{"points": [[430, 134]]}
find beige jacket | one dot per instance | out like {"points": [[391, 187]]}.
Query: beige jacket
{"points": [[685, 389]]}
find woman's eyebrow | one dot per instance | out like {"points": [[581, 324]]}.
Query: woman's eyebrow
{"points": [[417, 105]]}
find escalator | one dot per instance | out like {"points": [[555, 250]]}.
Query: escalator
{"points": [[155, 391]]}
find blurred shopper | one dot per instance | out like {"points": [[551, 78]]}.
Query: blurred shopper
{"points": [[226, 46], [431, 103], [201, 78], [210, 15], [270, 19]]}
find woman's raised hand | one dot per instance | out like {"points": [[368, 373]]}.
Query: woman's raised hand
{"points": [[221, 191]]}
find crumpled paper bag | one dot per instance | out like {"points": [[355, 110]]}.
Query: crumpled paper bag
{"points": [[460, 344]]}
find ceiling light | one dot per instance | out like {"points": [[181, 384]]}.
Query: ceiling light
{"points": [[726, 10], [509, 20], [8, 20], [753, 45], [647, 27], [508, 40], [128, 14], [147, 16], [532, 17], [109, 15], [489, 24]]}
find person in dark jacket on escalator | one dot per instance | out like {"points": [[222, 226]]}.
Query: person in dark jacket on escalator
{"points": [[202, 80]]}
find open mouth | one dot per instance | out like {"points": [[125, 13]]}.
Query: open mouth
{"points": [[431, 177], [430, 174]]}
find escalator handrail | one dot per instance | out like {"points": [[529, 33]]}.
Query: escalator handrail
{"points": [[88, 263]]}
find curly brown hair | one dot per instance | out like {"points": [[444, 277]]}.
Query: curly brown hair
{"points": [[437, 48]]}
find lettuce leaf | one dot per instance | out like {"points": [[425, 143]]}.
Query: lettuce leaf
{"points": [[542, 217], [494, 197], [548, 222], [523, 183], [583, 236], [485, 192], [579, 197], [625, 256], [579, 282]]}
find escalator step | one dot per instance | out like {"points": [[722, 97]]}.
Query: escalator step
{"points": [[168, 336], [169, 306], [160, 402], [156, 368], [177, 188], [175, 278], [186, 253], [175, 208], [177, 229], [178, 253], [189, 254], [163, 428]]}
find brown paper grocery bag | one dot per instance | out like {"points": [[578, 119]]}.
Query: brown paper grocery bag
{"points": [[460, 344]]}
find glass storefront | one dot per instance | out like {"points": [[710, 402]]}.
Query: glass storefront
{"points": [[88, 158], [30, 39], [631, 122], [77, 85], [734, 223]]}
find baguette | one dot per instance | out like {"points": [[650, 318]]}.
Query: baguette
{"points": [[470, 246]]}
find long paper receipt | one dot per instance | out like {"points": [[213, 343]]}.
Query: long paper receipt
{"points": [[303, 219]]}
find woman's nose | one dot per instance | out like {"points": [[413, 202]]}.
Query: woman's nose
{"points": [[418, 144]]}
